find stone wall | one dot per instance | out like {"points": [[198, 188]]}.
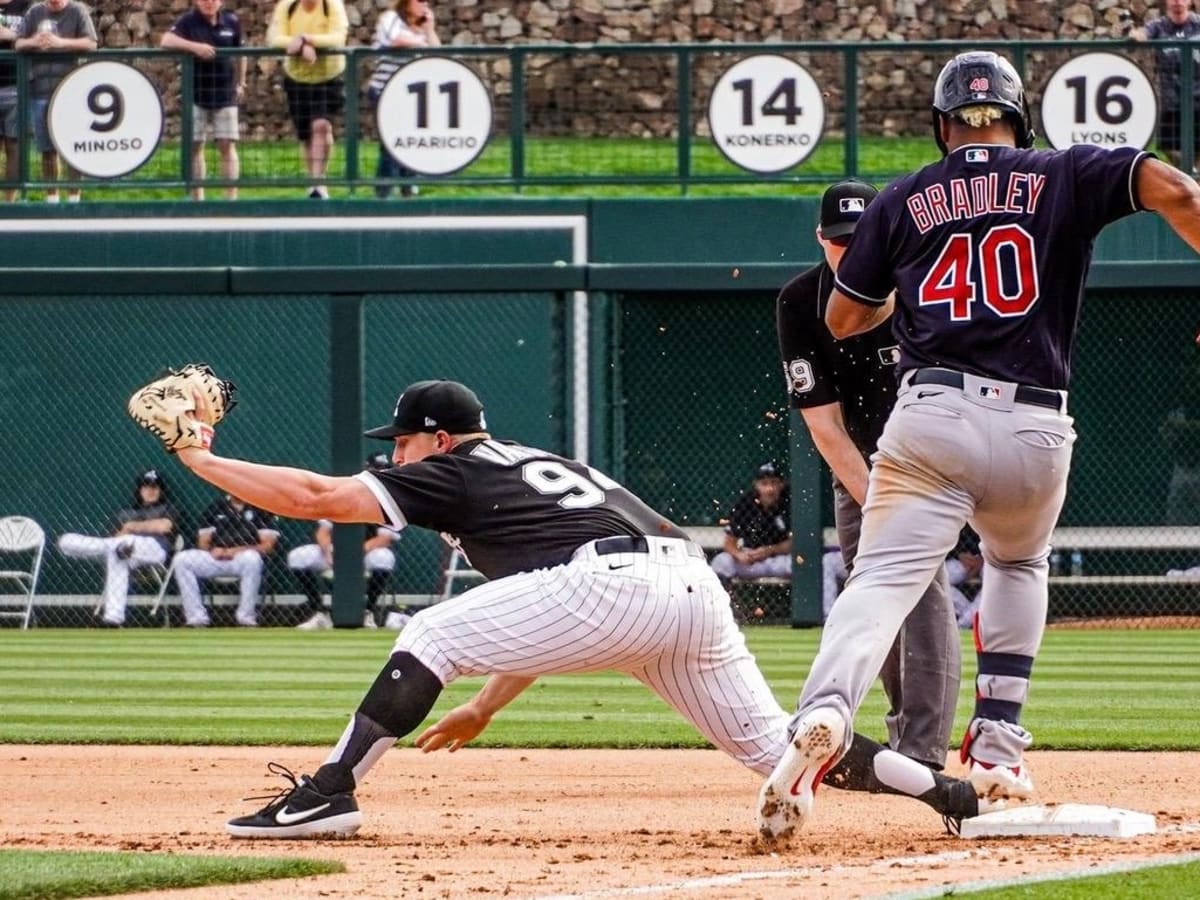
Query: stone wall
{"points": [[635, 95]]}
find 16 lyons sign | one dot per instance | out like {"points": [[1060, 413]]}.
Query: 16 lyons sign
{"points": [[1099, 98], [766, 114]]}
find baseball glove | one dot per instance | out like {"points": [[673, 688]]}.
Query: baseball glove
{"points": [[181, 407]]}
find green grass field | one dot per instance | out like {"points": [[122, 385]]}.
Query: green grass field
{"points": [[1131, 690], [1092, 690], [611, 166], [38, 875]]}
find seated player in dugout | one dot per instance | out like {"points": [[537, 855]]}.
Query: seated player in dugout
{"points": [[584, 577]]}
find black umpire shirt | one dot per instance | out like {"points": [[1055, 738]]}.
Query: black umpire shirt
{"points": [[859, 372], [511, 508]]}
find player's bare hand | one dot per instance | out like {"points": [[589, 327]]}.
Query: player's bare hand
{"points": [[454, 730]]}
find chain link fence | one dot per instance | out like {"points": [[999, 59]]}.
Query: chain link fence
{"points": [[693, 402]]}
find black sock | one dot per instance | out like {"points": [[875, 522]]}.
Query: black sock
{"points": [[398, 701], [375, 587]]}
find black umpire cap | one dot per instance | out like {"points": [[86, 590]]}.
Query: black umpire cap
{"points": [[430, 406], [843, 205]]}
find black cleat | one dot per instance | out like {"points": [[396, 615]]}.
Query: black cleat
{"points": [[300, 811]]}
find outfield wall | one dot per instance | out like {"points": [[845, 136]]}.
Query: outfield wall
{"points": [[637, 333]]}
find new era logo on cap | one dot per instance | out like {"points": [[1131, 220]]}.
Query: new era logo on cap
{"points": [[851, 205], [431, 406]]}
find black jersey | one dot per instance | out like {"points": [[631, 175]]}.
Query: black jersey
{"points": [[512, 508], [858, 372], [755, 526], [988, 252], [232, 527]]}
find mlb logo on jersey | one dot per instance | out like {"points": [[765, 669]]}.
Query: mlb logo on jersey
{"points": [[989, 392], [889, 356], [977, 155], [851, 205]]}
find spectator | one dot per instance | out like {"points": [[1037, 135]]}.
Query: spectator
{"points": [[56, 27], [758, 536], [407, 24], [315, 91], [142, 536], [1179, 23], [310, 560], [11, 13], [233, 540], [216, 90]]}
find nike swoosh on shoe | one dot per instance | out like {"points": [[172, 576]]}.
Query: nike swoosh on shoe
{"points": [[283, 817]]}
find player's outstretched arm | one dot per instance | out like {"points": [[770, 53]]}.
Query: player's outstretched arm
{"points": [[1173, 195], [294, 493], [465, 723]]}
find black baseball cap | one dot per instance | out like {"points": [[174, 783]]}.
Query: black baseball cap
{"points": [[843, 205], [430, 406], [150, 476], [767, 470]]}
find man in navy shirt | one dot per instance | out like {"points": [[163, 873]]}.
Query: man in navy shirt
{"points": [[981, 260], [202, 31]]}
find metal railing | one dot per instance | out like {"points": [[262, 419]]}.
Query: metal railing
{"points": [[593, 116]]}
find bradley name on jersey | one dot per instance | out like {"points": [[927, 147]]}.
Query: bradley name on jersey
{"points": [[979, 195]]}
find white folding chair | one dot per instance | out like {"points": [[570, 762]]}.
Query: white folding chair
{"points": [[21, 535], [164, 573], [457, 569]]}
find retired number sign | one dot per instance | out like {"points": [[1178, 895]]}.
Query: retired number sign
{"points": [[1099, 98], [766, 114], [434, 116], [105, 119]]}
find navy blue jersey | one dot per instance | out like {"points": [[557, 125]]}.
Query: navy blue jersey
{"points": [[858, 372], [988, 251], [213, 84], [511, 508]]}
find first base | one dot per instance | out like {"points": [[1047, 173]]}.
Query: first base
{"points": [[1078, 819]]}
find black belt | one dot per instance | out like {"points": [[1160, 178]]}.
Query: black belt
{"points": [[609, 546], [1025, 394]]}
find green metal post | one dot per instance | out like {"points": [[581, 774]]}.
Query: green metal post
{"points": [[352, 122], [1187, 111], [850, 125], [684, 123], [807, 543], [346, 425], [516, 120]]}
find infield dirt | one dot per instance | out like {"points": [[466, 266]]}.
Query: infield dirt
{"points": [[548, 823]]}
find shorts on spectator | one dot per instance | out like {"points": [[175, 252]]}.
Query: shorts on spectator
{"points": [[222, 123], [8, 112], [307, 102], [41, 130], [1169, 130]]}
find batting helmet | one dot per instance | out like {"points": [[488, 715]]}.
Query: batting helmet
{"points": [[982, 78]]}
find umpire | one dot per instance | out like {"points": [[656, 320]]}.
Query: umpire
{"points": [[844, 390]]}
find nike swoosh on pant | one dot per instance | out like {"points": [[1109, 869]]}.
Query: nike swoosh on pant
{"points": [[283, 817]]}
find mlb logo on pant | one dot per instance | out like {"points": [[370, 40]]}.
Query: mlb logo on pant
{"points": [[989, 392]]}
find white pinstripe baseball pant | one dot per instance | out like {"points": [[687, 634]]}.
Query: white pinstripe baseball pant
{"points": [[660, 616]]}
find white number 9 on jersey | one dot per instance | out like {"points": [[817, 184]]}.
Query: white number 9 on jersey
{"points": [[546, 476]]}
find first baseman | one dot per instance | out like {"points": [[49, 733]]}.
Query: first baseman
{"points": [[983, 258], [584, 577]]}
